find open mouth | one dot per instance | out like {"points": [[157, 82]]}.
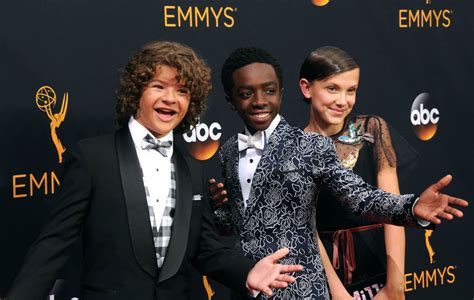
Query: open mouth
{"points": [[261, 116], [165, 114]]}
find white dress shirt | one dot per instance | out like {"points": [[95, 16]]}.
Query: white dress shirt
{"points": [[156, 169], [249, 158]]}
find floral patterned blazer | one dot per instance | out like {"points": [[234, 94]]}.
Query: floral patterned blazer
{"points": [[280, 210]]}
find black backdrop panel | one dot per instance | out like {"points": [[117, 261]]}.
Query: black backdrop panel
{"points": [[404, 47]]}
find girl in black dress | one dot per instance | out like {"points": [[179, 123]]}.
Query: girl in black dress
{"points": [[368, 258]]}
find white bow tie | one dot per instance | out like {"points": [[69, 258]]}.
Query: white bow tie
{"points": [[254, 141]]}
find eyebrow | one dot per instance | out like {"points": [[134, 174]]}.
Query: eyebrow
{"points": [[265, 84], [338, 85]]}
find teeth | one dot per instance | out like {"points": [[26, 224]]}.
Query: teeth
{"points": [[261, 115]]}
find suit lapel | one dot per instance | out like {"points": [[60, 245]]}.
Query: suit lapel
{"points": [[135, 199], [264, 168], [182, 218]]}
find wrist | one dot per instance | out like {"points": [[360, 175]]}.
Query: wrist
{"points": [[395, 289]]}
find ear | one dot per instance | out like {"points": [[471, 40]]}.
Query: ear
{"points": [[136, 115], [304, 86], [230, 102]]}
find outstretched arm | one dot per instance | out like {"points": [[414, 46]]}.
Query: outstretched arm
{"points": [[375, 204]]}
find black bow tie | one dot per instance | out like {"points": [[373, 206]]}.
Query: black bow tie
{"points": [[161, 146]]}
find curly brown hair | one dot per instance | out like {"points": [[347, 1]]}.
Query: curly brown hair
{"points": [[141, 67]]}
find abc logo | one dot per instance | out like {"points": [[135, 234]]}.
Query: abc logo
{"points": [[320, 2], [203, 141], [424, 117]]}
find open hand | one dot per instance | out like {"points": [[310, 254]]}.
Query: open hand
{"points": [[268, 274], [434, 205]]}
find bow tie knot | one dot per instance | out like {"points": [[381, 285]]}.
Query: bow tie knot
{"points": [[161, 146], [255, 141]]}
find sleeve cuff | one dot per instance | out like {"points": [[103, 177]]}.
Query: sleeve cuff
{"points": [[420, 222], [251, 293]]}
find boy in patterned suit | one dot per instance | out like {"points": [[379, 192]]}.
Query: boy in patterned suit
{"points": [[273, 172]]}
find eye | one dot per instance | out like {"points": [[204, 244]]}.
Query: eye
{"points": [[331, 89], [157, 86], [183, 91], [352, 90], [270, 91], [245, 94]]}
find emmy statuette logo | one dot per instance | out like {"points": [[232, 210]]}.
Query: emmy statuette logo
{"points": [[46, 101], [429, 248], [207, 286]]}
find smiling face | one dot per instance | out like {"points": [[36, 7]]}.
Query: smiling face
{"points": [[164, 102], [256, 95], [332, 99]]}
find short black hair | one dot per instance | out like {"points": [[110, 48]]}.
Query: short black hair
{"points": [[242, 57]]}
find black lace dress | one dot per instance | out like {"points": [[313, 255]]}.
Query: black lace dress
{"points": [[355, 245]]}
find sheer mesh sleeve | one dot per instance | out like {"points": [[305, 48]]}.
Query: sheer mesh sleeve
{"points": [[384, 153], [391, 149]]}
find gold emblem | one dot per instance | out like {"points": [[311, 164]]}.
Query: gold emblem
{"points": [[431, 252], [46, 100], [207, 285]]}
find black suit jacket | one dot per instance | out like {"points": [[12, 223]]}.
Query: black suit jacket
{"points": [[102, 200]]}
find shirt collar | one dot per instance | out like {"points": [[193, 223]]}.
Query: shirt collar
{"points": [[139, 132], [267, 132]]}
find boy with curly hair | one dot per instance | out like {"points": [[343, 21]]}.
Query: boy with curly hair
{"points": [[133, 198]]}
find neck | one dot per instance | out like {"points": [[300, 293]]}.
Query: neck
{"points": [[321, 127]]}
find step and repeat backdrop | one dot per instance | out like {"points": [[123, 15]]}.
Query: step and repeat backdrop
{"points": [[59, 63]]}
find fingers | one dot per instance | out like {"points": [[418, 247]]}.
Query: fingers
{"points": [[444, 215], [442, 183], [218, 194], [278, 284], [277, 255], [290, 268], [454, 212], [214, 185], [285, 278], [457, 201], [434, 220], [267, 291], [219, 197]]}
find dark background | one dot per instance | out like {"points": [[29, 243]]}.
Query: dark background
{"points": [[78, 46]]}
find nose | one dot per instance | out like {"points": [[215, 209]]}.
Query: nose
{"points": [[341, 99], [260, 99], [170, 96]]}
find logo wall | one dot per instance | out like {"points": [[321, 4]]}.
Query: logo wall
{"points": [[199, 16], [46, 101], [424, 116], [29, 184], [428, 17], [203, 140], [320, 2], [433, 276]]}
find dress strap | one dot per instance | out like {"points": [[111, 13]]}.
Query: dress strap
{"points": [[344, 236]]}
